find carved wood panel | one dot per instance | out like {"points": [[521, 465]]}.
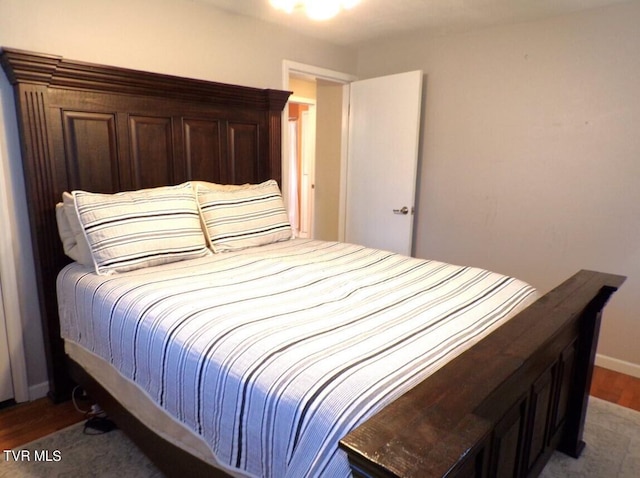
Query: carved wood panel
{"points": [[508, 442], [475, 466], [152, 155], [243, 144], [563, 389], [202, 149], [91, 151], [541, 402]]}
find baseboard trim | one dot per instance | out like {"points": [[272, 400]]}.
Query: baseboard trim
{"points": [[618, 365], [38, 391]]}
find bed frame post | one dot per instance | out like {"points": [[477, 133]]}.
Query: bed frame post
{"points": [[29, 75], [39, 170], [572, 443], [276, 102]]}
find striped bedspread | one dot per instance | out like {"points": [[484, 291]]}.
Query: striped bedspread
{"points": [[274, 353]]}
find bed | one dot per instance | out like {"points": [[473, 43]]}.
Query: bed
{"points": [[498, 406]]}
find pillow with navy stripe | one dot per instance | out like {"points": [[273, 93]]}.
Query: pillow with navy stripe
{"points": [[246, 217], [136, 229]]}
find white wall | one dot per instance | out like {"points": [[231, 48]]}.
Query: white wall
{"points": [[178, 37], [531, 152]]}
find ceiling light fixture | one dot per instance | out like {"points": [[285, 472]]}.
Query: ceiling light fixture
{"points": [[315, 9]]}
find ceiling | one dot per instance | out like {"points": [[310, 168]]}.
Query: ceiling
{"points": [[375, 19]]}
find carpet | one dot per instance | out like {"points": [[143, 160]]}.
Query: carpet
{"points": [[69, 453], [612, 434]]}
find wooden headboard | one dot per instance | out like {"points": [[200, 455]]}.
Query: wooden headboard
{"points": [[107, 129]]}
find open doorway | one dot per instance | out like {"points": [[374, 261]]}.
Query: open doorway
{"points": [[301, 111], [315, 150], [372, 201]]}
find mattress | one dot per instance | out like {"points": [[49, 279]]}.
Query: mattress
{"points": [[268, 356]]}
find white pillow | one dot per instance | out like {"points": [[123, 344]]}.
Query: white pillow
{"points": [[71, 234], [218, 187], [249, 216], [64, 230], [136, 229]]}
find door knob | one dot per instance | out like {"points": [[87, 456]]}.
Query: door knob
{"points": [[404, 210]]}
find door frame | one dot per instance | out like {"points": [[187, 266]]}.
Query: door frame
{"points": [[314, 72], [11, 314]]}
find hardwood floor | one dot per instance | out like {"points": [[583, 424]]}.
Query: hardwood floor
{"points": [[615, 387], [29, 421], [23, 423]]}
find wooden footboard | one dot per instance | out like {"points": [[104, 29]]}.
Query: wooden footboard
{"points": [[502, 407]]}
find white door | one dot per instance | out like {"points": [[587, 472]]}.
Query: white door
{"points": [[384, 123], [6, 383]]}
